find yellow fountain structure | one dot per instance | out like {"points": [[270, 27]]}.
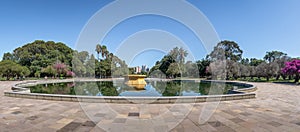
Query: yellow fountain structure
{"points": [[136, 81]]}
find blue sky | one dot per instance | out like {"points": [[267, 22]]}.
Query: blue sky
{"points": [[256, 25]]}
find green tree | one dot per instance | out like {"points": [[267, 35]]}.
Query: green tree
{"points": [[8, 56], [83, 56], [48, 71], [190, 69], [245, 61], [90, 66], [78, 67], [98, 50], [104, 51], [266, 70], [11, 69], [255, 62], [273, 55], [226, 50], [202, 67], [176, 56], [40, 54], [174, 70]]}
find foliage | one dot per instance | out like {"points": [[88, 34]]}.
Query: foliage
{"points": [[202, 67], [174, 70], [110, 65], [273, 55], [48, 71], [266, 70], [40, 58], [10, 69], [173, 64], [292, 68], [255, 62], [40, 54], [226, 50], [8, 56]]}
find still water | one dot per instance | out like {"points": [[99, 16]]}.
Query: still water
{"points": [[153, 88]]}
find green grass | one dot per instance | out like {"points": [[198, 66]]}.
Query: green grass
{"points": [[263, 79], [2, 79]]}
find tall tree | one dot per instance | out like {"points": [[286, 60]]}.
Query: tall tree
{"points": [[98, 50], [8, 56], [182, 54], [104, 51], [226, 50], [273, 55], [11, 69], [176, 58], [40, 54], [266, 70], [202, 67], [255, 62], [292, 68], [90, 66]]}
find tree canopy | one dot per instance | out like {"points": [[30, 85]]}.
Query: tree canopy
{"points": [[40, 54], [292, 68], [226, 50], [55, 59], [273, 55], [10, 69]]}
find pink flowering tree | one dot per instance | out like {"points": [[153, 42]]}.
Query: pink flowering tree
{"points": [[60, 68], [70, 74], [292, 68]]}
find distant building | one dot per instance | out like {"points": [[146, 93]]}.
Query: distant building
{"points": [[144, 67], [137, 70]]}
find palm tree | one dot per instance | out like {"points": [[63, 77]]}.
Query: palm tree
{"points": [[110, 56], [273, 55], [182, 54], [98, 50], [104, 51]]}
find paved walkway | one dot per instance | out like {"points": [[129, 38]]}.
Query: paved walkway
{"points": [[276, 108]]}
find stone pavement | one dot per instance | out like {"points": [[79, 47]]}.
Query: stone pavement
{"points": [[276, 108]]}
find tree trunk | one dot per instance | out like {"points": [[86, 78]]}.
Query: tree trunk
{"points": [[277, 77], [297, 78], [268, 78], [227, 77], [284, 77]]}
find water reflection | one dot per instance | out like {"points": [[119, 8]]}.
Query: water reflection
{"points": [[153, 88]]}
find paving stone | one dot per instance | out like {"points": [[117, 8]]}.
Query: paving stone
{"points": [[298, 123], [134, 114], [271, 110], [215, 124], [100, 115], [245, 114], [237, 120], [160, 128], [275, 124], [65, 121], [89, 124], [70, 127], [119, 120], [16, 112]]}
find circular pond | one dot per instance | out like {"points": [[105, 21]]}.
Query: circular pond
{"points": [[117, 91], [118, 88]]}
